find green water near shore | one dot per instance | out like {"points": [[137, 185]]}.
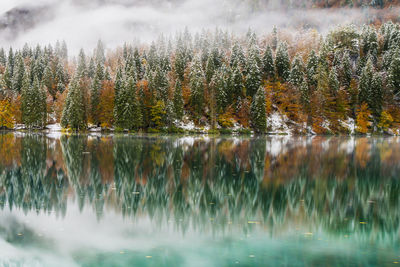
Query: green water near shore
{"points": [[199, 201]]}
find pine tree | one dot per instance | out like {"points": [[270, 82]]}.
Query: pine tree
{"points": [[178, 101], [305, 95], [253, 74], [74, 113], [376, 98], [34, 104], [197, 88], [128, 104], [95, 97], [3, 60], [161, 84], [118, 102], [282, 62], [81, 70], [333, 82], [18, 75], [297, 72], [394, 74], [268, 64], [169, 113], [258, 115], [364, 87], [219, 86], [236, 83], [312, 68], [210, 69], [346, 71], [99, 53], [237, 57]]}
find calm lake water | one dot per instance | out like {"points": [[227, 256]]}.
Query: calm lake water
{"points": [[199, 201]]}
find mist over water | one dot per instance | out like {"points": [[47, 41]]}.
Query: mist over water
{"points": [[83, 23]]}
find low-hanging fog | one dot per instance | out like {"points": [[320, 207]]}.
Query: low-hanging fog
{"points": [[82, 23]]}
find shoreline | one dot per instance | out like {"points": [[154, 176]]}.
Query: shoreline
{"points": [[49, 132]]}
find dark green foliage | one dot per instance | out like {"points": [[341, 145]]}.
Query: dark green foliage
{"points": [[258, 115], [282, 62]]}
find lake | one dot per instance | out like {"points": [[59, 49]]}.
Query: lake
{"points": [[199, 201]]}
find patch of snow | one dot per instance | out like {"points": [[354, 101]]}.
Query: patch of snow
{"points": [[349, 124], [187, 126], [276, 124], [19, 127], [96, 129], [56, 127]]}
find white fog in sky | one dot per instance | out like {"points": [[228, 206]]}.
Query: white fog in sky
{"points": [[82, 23]]}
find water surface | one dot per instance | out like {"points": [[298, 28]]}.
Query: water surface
{"points": [[199, 201]]}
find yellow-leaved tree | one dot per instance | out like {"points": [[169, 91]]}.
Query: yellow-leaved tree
{"points": [[6, 115]]}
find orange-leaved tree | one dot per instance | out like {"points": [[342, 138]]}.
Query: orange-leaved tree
{"points": [[106, 105], [363, 115]]}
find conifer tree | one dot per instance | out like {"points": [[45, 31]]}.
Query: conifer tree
{"points": [[333, 82], [268, 64], [128, 105], [81, 70], [3, 59], [346, 72], [376, 98], [236, 83], [237, 57], [118, 102], [253, 74], [74, 113], [18, 75], [364, 87], [297, 72], [394, 74], [34, 104], [178, 100], [258, 115], [312, 68], [95, 97], [161, 84], [282, 62], [197, 88], [219, 86]]}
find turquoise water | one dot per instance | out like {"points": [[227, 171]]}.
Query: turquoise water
{"points": [[199, 201]]}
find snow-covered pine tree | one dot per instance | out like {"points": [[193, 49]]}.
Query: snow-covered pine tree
{"points": [[178, 100], [257, 110], [95, 89], [282, 61], [3, 59], [297, 72], [253, 74], [81, 70], [364, 87], [346, 70], [18, 75], [161, 84], [119, 87], [394, 74], [74, 113], [376, 98], [237, 57], [334, 84], [197, 87], [268, 64]]}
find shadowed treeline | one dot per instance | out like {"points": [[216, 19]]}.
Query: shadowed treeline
{"points": [[344, 186]]}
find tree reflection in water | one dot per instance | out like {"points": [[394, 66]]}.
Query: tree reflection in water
{"points": [[344, 186]]}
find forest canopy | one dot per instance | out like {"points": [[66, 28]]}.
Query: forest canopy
{"points": [[347, 80]]}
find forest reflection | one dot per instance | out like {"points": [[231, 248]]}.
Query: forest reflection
{"points": [[344, 186]]}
